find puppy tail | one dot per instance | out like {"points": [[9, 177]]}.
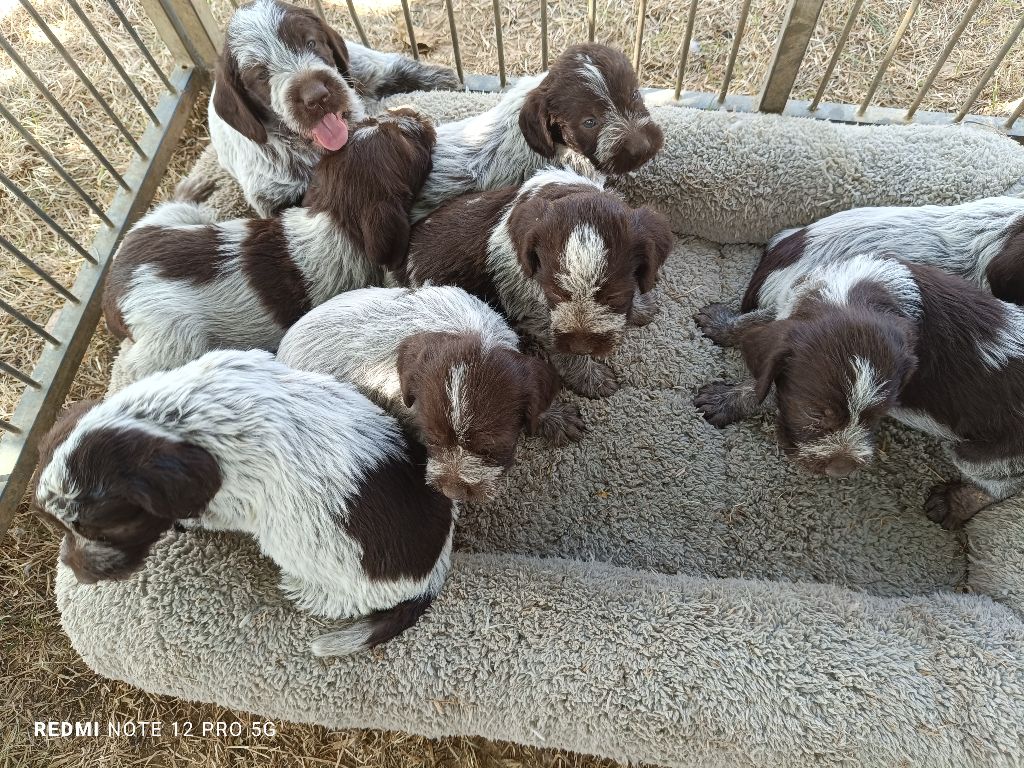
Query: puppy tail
{"points": [[371, 630]]}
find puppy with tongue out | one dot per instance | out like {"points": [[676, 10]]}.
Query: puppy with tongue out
{"points": [[331, 133]]}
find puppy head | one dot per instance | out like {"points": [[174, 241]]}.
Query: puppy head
{"points": [[282, 62], [113, 488], [470, 402], [591, 255], [590, 101], [836, 374]]}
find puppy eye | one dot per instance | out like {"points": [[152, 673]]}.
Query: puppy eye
{"points": [[590, 122], [311, 45], [635, 95]]}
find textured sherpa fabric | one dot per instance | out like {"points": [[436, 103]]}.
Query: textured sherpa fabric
{"points": [[662, 591]]}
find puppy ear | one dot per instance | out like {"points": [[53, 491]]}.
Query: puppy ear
{"points": [[385, 229], [765, 351], [232, 103], [411, 354], [172, 479], [652, 243], [60, 432], [525, 225], [544, 385], [533, 122], [338, 47]]}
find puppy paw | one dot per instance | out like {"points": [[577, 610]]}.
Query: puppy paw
{"points": [[721, 403], [716, 321], [953, 504], [561, 424], [645, 309], [595, 381], [437, 78]]}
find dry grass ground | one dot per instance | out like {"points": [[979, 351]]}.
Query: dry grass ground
{"points": [[40, 674]]}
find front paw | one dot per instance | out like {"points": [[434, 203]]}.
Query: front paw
{"points": [[953, 504], [645, 309], [437, 78], [561, 424], [720, 403], [716, 321], [596, 380]]}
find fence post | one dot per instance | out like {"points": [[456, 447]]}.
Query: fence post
{"points": [[790, 48], [188, 29]]}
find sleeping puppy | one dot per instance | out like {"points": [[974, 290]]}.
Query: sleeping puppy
{"points": [[981, 241], [448, 366], [182, 284], [588, 105], [567, 263], [287, 90], [850, 342], [325, 481]]}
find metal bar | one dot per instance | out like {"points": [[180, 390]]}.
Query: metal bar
{"points": [[6, 426], [950, 45], [641, 17], [28, 322], [319, 8], [113, 60], [75, 324], [12, 249], [355, 21], [687, 42], [591, 19], [1015, 115], [7, 48], [887, 59], [500, 41], [73, 65], [455, 40], [56, 228], [1000, 55], [409, 30], [13, 372], [188, 29], [851, 19], [790, 48], [54, 164], [143, 49], [744, 12], [544, 35]]}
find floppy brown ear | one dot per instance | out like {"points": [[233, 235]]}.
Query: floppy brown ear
{"points": [[765, 351], [411, 354], [544, 385], [533, 122], [652, 243], [525, 225], [168, 478], [385, 228], [338, 47], [232, 103]]}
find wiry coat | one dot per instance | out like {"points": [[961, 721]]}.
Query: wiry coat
{"points": [[587, 104], [325, 482], [448, 366], [182, 284], [567, 263]]}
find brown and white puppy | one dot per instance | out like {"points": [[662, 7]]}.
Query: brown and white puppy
{"points": [[323, 479], [287, 91], [850, 342], [567, 263], [182, 284], [448, 366], [588, 104], [981, 241]]}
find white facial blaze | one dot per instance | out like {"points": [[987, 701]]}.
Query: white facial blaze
{"points": [[853, 440], [582, 273], [455, 388], [615, 124]]}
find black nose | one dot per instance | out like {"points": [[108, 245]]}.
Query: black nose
{"points": [[637, 149], [842, 466], [313, 93]]}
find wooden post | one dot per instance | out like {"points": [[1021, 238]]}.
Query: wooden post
{"points": [[790, 48], [188, 29]]}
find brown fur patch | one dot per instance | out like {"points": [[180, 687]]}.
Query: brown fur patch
{"points": [[1005, 272], [272, 274], [784, 254]]}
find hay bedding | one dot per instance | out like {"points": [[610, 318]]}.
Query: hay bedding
{"points": [[662, 591]]}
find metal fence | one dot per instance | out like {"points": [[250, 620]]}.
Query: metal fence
{"points": [[190, 38]]}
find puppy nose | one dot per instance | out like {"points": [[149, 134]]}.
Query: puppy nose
{"points": [[841, 466], [313, 93], [454, 490]]}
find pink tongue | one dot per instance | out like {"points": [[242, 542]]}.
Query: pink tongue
{"points": [[331, 133]]}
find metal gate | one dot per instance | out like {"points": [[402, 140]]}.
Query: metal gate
{"points": [[174, 44]]}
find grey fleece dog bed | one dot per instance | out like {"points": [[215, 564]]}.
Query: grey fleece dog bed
{"points": [[663, 591]]}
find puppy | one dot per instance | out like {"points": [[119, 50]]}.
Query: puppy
{"points": [[182, 284], [448, 366], [981, 241], [285, 92], [852, 341], [567, 263], [323, 479], [588, 103]]}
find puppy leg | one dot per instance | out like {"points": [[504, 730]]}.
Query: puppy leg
{"points": [[725, 326], [993, 473], [382, 74], [585, 375], [723, 403], [561, 424], [953, 504], [645, 308]]}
